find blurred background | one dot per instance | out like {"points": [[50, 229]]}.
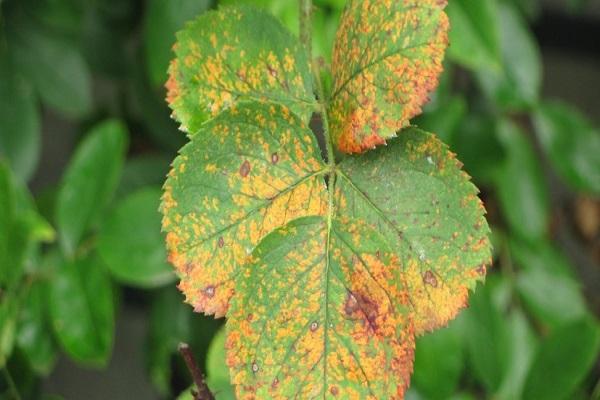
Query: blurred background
{"points": [[88, 304]]}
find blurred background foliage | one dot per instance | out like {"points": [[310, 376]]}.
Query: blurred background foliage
{"points": [[88, 304]]}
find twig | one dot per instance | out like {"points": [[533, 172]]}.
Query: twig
{"points": [[203, 392], [306, 10]]}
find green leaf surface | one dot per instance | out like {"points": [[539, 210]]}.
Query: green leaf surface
{"points": [[571, 144], [82, 310], [19, 121], [241, 54], [248, 171], [321, 312], [517, 86], [162, 19], [520, 184], [474, 34], [488, 340], [9, 308], [439, 361], [218, 379], [523, 345], [131, 244], [563, 360], [89, 182], [55, 67], [142, 171], [387, 58], [33, 336]]}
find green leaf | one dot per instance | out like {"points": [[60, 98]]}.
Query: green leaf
{"points": [[445, 119], [488, 340], [19, 121], [523, 344], [439, 362], [520, 184], [547, 286], [169, 326], [9, 308], [571, 143], [250, 170], [563, 360], [82, 310], [34, 324], [474, 34], [218, 379], [162, 19], [241, 54], [56, 68], [386, 59], [131, 244], [517, 86], [89, 182]]}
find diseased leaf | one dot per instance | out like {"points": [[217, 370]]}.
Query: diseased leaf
{"points": [[428, 210], [250, 170], [236, 54], [387, 57], [321, 311]]}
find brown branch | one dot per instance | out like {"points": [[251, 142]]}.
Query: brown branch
{"points": [[203, 392]]}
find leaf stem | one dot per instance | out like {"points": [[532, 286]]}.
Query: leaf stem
{"points": [[12, 387], [204, 392], [306, 26]]}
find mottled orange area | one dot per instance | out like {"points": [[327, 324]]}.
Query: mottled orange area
{"points": [[415, 193], [386, 60], [321, 313], [223, 59], [227, 190]]}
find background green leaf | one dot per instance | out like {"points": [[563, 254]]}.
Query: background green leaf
{"points": [[89, 182]]}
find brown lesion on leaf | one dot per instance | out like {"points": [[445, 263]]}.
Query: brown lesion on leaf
{"points": [[430, 279], [245, 169]]}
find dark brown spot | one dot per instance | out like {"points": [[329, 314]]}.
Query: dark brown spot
{"points": [[255, 367], [249, 317], [481, 270], [334, 391], [272, 71], [245, 169], [221, 242], [275, 383], [378, 254], [478, 226], [209, 291], [365, 307], [314, 326], [430, 279], [274, 158]]}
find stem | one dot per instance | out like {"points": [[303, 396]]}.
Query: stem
{"points": [[306, 26], [12, 387], [204, 392]]}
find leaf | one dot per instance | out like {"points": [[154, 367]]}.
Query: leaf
{"points": [[387, 57], [474, 34], [523, 343], [82, 310], [517, 86], [241, 54], [571, 143], [89, 182], [19, 121], [218, 379], [142, 171], [38, 54], [253, 169], [250, 170], [131, 244], [9, 308], [445, 119], [520, 184], [32, 335], [320, 312], [488, 340], [563, 360], [428, 210], [439, 362], [162, 19]]}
